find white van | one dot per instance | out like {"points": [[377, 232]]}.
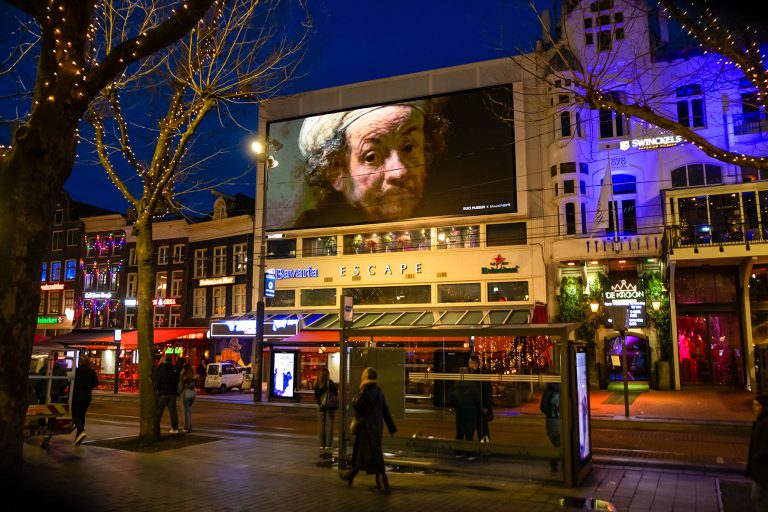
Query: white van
{"points": [[222, 376]]}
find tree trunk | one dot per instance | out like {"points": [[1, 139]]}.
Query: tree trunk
{"points": [[32, 175], [149, 422]]}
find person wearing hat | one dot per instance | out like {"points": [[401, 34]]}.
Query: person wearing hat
{"points": [[373, 160], [166, 385]]}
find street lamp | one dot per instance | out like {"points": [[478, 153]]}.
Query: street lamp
{"points": [[259, 237], [656, 304], [594, 306]]}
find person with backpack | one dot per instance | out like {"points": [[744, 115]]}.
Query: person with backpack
{"points": [[550, 407]]}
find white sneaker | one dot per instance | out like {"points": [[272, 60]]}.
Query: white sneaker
{"points": [[80, 437], [173, 431], [183, 430]]}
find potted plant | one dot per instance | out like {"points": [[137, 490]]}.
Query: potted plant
{"points": [[387, 239], [656, 294], [357, 243]]}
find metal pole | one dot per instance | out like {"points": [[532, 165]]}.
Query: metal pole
{"points": [[342, 386], [259, 238], [117, 365], [624, 371], [258, 348]]}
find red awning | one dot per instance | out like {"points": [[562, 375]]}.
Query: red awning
{"points": [[164, 335]]}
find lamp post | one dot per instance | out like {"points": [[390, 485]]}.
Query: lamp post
{"points": [[619, 316], [259, 237]]}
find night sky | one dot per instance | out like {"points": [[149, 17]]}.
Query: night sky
{"points": [[352, 41]]}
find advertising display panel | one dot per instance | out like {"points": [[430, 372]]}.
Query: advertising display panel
{"points": [[581, 397], [451, 154], [284, 372]]}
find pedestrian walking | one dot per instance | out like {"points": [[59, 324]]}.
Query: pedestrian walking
{"points": [[187, 381], [202, 369], [467, 405], [166, 386], [486, 400], [757, 462], [327, 398], [371, 412], [550, 406], [85, 381]]}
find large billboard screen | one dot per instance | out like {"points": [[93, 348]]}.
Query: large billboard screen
{"points": [[441, 155]]}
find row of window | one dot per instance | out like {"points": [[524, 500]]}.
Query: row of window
{"points": [[52, 271], [419, 239], [506, 291], [56, 302], [219, 301], [57, 239], [625, 218]]}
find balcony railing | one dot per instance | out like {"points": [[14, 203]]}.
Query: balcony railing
{"points": [[750, 122], [702, 235]]}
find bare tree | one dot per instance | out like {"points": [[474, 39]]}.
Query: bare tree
{"points": [[236, 54], [70, 74], [723, 50]]}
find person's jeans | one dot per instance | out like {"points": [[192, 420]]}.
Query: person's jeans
{"points": [[188, 398], [170, 402], [325, 427], [79, 408], [759, 497]]}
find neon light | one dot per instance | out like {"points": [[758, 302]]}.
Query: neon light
{"points": [[213, 281], [46, 287]]}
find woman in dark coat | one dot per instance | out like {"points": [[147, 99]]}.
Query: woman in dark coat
{"points": [[325, 415], [757, 463], [371, 412]]}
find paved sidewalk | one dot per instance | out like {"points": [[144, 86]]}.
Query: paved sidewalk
{"points": [[252, 470]]}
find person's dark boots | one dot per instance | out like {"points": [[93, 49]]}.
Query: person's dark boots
{"points": [[348, 475], [382, 482]]}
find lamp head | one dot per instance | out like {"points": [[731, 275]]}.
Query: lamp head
{"points": [[594, 306], [656, 304]]}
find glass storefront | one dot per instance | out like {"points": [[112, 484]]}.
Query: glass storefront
{"points": [[709, 327]]}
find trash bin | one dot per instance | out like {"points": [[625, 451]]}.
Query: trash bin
{"points": [[511, 395]]}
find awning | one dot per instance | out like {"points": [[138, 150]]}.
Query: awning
{"points": [[106, 338], [424, 320], [164, 335]]}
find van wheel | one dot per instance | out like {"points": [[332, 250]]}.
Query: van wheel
{"points": [[223, 388]]}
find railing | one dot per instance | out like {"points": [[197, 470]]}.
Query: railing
{"points": [[750, 122], [704, 235]]}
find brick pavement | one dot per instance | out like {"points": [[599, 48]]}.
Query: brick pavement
{"points": [[253, 470]]}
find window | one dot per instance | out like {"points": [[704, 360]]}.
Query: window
{"points": [[159, 317], [219, 261], [508, 291], [604, 40], [374, 295], [282, 299], [69, 300], [132, 257], [117, 245], [695, 175], [239, 258], [41, 306], [282, 248], [55, 271], [238, 299], [58, 217], [456, 237], [627, 216], [570, 219], [54, 302], [553, 171], [219, 301], [200, 257], [161, 284], [565, 124], [752, 174], [583, 187], [177, 283], [323, 245], [162, 255], [57, 240], [460, 292], [44, 273], [584, 218], [567, 167], [89, 277], [690, 106], [219, 209], [318, 297], [91, 247], [612, 124], [557, 189], [114, 278], [624, 184], [587, 22], [198, 303], [568, 187], [104, 246], [70, 270], [178, 253], [72, 237], [130, 321], [583, 168], [131, 285], [513, 233], [174, 316]]}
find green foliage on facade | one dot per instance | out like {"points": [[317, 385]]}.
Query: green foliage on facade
{"points": [[653, 286]]}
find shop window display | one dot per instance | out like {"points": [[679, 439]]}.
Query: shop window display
{"points": [[388, 241]]}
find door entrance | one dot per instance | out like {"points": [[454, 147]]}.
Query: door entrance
{"points": [[710, 349]]}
